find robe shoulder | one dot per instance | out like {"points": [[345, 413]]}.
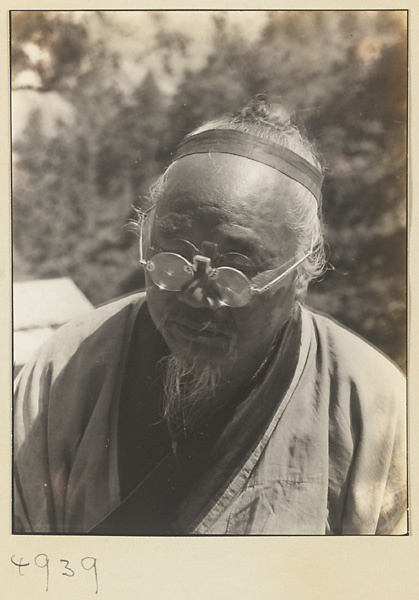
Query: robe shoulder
{"points": [[107, 321], [347, 357], [75, 359]]}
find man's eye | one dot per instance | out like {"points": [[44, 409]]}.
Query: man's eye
{"points": [[240, 262], [250, 273], [179, 246], [247, 270]]}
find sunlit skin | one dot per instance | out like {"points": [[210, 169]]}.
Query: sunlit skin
{"points": [[242, 206]]}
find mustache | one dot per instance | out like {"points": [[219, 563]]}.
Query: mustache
{"points": [[203, 320], [199, 319]]}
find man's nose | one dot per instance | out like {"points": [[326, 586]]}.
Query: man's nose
{"points": [[198, 294]]}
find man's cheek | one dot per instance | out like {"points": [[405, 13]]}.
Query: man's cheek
{"points": [[158, 305]]}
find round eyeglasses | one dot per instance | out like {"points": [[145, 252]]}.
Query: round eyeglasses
{"points": [[173, 272]]}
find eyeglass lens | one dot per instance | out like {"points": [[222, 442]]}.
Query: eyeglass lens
{"points": [[172, 272]]}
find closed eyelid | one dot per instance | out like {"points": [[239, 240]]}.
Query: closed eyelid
{"points": [[184, 247], [178, 246], [230, 259], [237, 257]]}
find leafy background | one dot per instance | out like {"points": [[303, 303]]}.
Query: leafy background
{"points": [[100, 100]]}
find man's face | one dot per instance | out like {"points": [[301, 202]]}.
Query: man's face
{"points": [[242, 206]]}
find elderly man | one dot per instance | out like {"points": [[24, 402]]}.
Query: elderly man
{"points": [[216, 403]]}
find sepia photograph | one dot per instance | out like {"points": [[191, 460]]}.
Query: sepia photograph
{"points": [[209, 217]]}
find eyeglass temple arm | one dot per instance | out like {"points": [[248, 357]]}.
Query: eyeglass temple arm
{"points": [[143, 215], [283, 275]]}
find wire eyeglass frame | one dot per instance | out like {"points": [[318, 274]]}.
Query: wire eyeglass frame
{"points": [[202, 263]]}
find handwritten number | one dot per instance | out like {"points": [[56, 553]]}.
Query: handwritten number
{"points": [[42, 562], [43, 566], [20, 564], [67, 568], [92, 566]]}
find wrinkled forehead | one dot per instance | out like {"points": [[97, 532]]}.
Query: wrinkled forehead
{"points": [[221, 194]]}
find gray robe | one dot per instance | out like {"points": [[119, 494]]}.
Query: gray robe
{"points": [[331, 459]]}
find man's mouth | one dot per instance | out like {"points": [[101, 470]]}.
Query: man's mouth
{"points": [[198, 330]]}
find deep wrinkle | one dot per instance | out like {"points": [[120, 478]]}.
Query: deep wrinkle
{"points": [[230, 238], [236, 204]]}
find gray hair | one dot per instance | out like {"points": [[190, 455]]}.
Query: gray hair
{"points": [[274, 124]]}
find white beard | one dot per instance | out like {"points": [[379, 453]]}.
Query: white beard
{"points": [[190, 387]]}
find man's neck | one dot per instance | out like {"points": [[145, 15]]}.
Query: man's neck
{"points": [[242, 374]]}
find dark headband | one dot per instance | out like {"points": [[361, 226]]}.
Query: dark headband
{"points": [[239, 143]]}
